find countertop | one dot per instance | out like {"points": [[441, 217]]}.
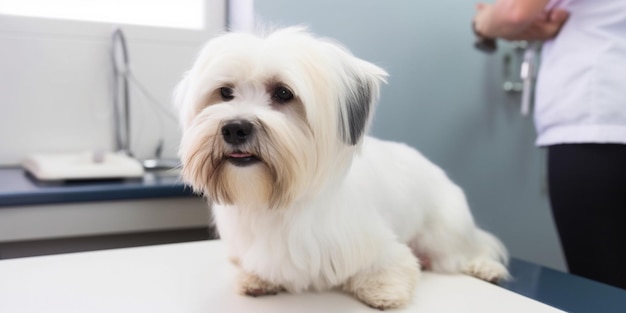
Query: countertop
{"points": [[19, 188], [196, 277]]}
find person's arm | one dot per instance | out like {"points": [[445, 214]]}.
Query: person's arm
{"points": [[518, 20]]}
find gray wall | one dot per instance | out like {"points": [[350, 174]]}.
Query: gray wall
{"points": [[445, 99]]}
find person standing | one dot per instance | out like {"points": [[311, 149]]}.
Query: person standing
{"points": [[580, 117]]}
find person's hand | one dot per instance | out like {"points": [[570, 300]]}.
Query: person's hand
{"points": [[544, 27], [483, 12]]}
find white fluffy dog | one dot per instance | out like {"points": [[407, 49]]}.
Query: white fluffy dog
{"points": [[274, 135]]}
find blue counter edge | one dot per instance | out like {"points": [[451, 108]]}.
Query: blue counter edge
{"points": [[88, 195], [19, 189], [563, 291]]}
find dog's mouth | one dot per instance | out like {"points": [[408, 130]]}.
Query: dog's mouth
{"points": [[239, 158]]}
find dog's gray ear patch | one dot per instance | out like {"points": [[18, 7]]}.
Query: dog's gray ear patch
{"points": [[354, 115]]}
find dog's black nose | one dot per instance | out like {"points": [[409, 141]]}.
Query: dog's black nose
{"points": [[237, 131]]}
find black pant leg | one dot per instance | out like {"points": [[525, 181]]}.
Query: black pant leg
{"points": [[588, 197]]}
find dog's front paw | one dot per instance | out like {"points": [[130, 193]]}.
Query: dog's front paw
{"points": [[487, 269], [384, 291], [388, 286], [254, 286], [382, 301]]}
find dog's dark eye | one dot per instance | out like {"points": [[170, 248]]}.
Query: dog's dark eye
{"points": [[227, 93], [282, 95]]}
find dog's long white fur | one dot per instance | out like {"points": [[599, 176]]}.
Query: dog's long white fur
{"points": [[353, 215]]}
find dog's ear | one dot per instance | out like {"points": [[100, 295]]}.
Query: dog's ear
{"points": [[362, 85]]}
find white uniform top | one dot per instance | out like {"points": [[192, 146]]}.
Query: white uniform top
{"points": [[581, 87]]}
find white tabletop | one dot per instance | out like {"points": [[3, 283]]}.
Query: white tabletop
{"points": [[196, 277]]}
